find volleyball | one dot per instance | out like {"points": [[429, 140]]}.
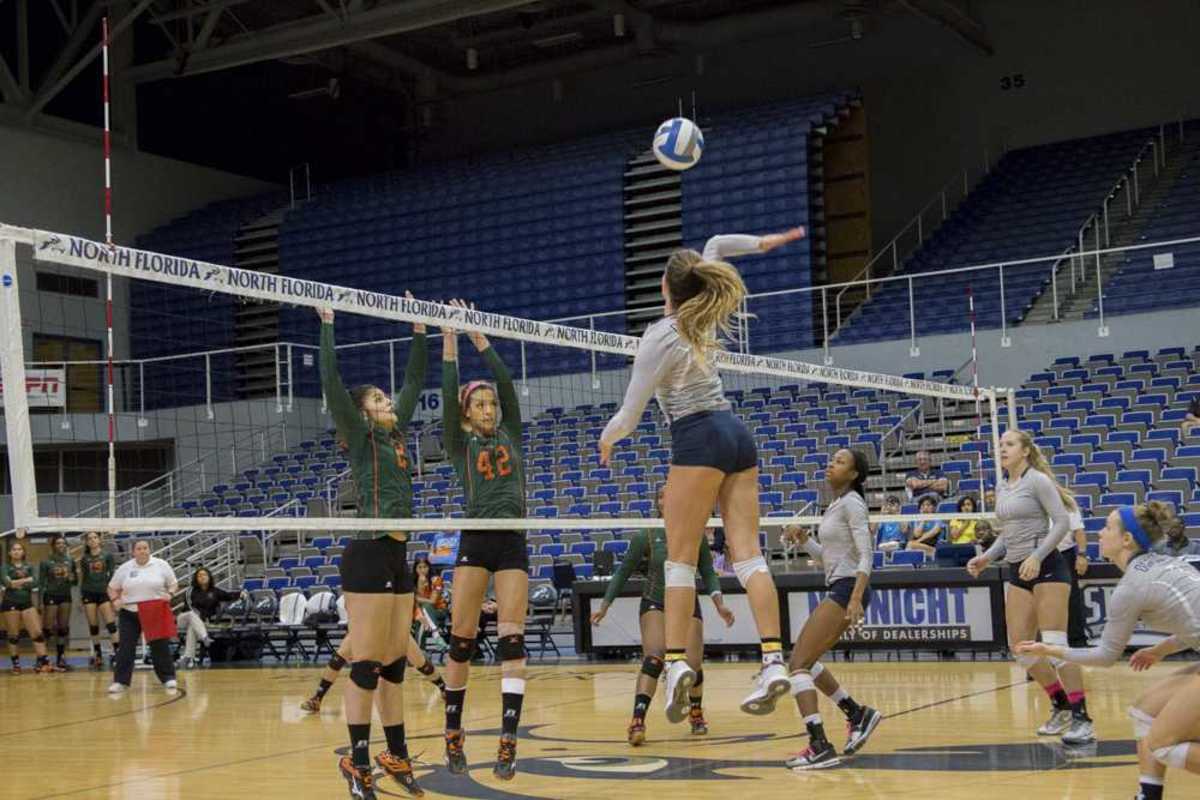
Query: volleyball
{"points": [[678, 143]]}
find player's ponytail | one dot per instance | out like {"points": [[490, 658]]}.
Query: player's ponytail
{"points": [[705, 296]]}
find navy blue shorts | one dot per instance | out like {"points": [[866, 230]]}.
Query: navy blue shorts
{"points": [[1054, 570], [714, 439], [841, 589]]}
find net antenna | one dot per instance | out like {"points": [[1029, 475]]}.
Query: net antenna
{"points": [[214, 279], [110, 400]]}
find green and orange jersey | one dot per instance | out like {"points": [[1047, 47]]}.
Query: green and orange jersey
{"points": [[378, 458], [56, 575], [95, 571], [491, 468], [10, 574]]}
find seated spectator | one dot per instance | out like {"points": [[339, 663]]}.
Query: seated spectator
{"points": [[1192, 420], [716, 545], [204, 599], [927, 534], [985, 536], [429, 592], [963, 531], [927, 479], [1177, 543], [891, 536]]}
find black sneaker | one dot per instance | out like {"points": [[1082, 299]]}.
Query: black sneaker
{"points": [[360, 781], [857, 733], [506, 759], [456, 759], [820, 756], [401, 770]]}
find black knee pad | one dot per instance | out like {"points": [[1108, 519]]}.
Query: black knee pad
{"points": [[111, 627], [427, 668], [336, 662], [699, 679], [40, 638], [652, 667], [394, 672], [461, 648], [365, 674], [93, 630], [511, 647]]}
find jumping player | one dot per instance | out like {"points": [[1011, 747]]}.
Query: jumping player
{"points": [[56, 576], [482, 434], [1164, 592], [376, 581], [19, 581], [713, 456], [647, 552], [1032, 511], [846, 552], [95, 569]]}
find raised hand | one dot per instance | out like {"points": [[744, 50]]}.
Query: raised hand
{"points": [[773, 240], [326, 314], [418, 327]]}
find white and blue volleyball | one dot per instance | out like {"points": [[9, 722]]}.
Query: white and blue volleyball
{"points": [[678, 144]]}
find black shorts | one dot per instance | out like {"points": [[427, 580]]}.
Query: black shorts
{"points": [[648, 604], [841, 589], [1077, 635], [56, 600], [376, 566], [1054, 570], [495, 551], [714, 439], [12, 605], [94, 598]]}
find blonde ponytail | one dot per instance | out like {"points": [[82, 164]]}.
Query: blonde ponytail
{"points": [[706, 295]]}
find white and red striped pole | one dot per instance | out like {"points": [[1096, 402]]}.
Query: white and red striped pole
{"points": [[975, 386], [108, 296]]}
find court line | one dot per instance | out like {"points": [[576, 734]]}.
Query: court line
{"points": [[429, 732], [179, 695]]}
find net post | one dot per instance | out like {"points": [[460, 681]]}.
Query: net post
{"points": [[16, 403], [994, 412]]}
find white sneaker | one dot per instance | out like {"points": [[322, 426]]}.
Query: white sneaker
{"points": [[171, 685], [770, 684], [117, 688], [680, 678], [1081, 732], [1060, 720]]}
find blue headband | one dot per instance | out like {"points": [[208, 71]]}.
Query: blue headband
{"points": [[1129, 518]]}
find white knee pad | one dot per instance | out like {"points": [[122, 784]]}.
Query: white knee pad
{"points": [[1175, 755], [801, 681], [678, 575], [1057, 639], [745, 570], [1141, 722], [1026, 661], [816, 669]]}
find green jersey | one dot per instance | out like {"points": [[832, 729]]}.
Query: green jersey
{"points": [[96, 571], [378, 459], [647, 553], [15, 572], [57, 575], [491, 468]]}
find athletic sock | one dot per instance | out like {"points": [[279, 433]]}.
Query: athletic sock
{"points": [[1078, 704], [675, 654], [697, 701], [397, 746], [1150, 788], [454, 708], [323, 688], [60, 647], [641, 704], [846, 703], [96, 648], [360, 745], [1058, 695], [772, 651], [512, 695], [816, 732]]}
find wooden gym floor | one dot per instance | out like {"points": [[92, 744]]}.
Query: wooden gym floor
{"points": [[954, 730]]}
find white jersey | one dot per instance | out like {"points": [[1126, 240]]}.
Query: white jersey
{"points": [[1159, 589], [846, 546], [1074, 523], [666, 368]]}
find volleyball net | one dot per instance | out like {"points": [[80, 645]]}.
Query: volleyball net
{"points": [[209, 416]]}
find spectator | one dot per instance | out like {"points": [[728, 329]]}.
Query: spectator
{"points": [[716, 545], [890, 536], [429, 591], [927, 479], [985, 535], [1176, 542], [204, 601], [926, 534], [1192, 420], [963, 531], [141, 590]]}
